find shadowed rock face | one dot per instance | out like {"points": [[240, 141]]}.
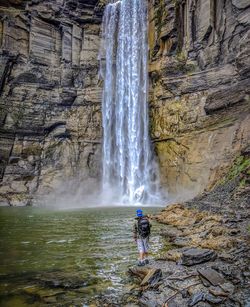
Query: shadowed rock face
{"points": [[50, 120], [199, 91]]}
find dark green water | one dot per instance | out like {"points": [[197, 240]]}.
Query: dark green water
{"points": [[66, 257]]}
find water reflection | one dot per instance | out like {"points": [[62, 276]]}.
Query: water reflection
{"points": [[81, 253]]}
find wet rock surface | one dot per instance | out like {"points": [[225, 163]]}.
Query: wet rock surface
{"points": [[193, 274], [56, 288]]}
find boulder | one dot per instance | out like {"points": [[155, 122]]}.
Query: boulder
{"points": [[194, 256]]}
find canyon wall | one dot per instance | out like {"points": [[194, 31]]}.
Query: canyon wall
{"points": [[199, 89], [50, 96], [50, 117]]}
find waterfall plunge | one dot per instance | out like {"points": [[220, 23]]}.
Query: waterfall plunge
{"points": [[130, 172]]}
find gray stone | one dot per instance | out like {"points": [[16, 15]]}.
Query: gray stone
{"points": [[196, 298], [201, 296], [228, 287], [217, 291], [241, 4], [212, 276], [181, 242], [194, 256]]}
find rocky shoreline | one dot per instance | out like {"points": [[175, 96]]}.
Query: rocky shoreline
{"points": [[207, 257], [207, 263]]}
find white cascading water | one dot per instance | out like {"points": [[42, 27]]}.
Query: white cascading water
{"points": [[130, 173]]}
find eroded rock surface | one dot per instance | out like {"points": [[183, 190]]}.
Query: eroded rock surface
{"points": [[199, 89], [50, 118]]}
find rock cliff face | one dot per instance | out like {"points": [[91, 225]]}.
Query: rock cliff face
{"points": [[50, 100], [199, 91], [50, 119]]}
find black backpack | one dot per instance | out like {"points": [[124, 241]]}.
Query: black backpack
{"points": [[143, 227]]}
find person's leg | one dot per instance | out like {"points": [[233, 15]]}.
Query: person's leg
{"points": [[141, 252], [146, 248]]}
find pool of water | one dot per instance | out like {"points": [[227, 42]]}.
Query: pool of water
{"points": [[66, 257]]}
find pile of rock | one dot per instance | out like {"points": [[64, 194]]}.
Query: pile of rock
{"points": [[190, 227], [207, 265]]}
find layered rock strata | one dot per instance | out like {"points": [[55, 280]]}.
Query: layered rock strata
{"points": [[50, 118], [199, 91]]}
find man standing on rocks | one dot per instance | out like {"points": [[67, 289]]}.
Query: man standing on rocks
{"points": [[141, 236]]}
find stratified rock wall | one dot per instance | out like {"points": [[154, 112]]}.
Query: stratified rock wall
{"points": [[50, 100], [50, 118], [199, 91]]}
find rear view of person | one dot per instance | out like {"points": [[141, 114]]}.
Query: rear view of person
{"points": [[141, 236]]}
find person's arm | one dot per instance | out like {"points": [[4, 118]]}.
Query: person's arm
{"points": [[149, 220], [135, 231], [150, 225]]}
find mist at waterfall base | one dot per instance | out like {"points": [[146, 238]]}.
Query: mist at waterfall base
{"points": [[85, 194], [130, 172]]}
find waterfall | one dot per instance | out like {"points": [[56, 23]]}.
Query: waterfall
{"points": [[130, 172]]}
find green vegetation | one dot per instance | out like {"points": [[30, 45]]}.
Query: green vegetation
{"points": [[181, 56], [191, 68], [248, 228], [32, 150], [183, 65], [158, 17], [241, 166], [167, 246]]}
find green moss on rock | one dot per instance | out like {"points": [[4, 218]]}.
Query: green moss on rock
{"points": [[240, 168]]}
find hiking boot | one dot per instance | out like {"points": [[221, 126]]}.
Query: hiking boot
{"points": [[146, 261], [140, 263]]}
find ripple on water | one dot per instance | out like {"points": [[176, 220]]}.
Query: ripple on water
{"points": [[95, 247]]}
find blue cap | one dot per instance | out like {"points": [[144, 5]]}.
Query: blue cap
{"points": [[139, 213]]}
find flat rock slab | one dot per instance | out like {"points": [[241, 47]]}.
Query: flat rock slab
{"points": [[181, 242], [212, 276], [217, 291], [194, 256], [138, 272], [153, 276], [60, 280], [204, 297]]}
